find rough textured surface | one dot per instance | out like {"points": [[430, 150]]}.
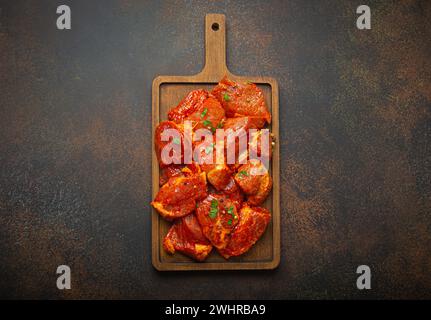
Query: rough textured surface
{"points": [[75, 147]]}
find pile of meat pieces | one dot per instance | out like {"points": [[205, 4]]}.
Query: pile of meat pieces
{"points": [[214, 205]]}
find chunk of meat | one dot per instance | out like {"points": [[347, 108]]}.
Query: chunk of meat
{"points": [[175, 170], [262, 193], [191, 169], [217, 215], [218, 174], [186, 236], [209, 115], [188, 105], [252, 224], [245, 123], [177, 198], [255, 145], [241, 127], [204, 154], [255, 181], [169, 128], [241, 99], [233, 192], [200, 107]]}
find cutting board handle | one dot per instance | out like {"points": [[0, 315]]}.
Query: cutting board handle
{"points": [[215, 48]]}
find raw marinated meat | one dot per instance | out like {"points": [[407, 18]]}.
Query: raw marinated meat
{"points": [[252, 224], [186, 236], [240, 99]]}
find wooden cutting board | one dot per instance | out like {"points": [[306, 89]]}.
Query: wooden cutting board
{"points": [[167, 92]]}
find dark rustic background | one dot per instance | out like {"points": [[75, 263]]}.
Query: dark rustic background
{"points": [[75, 147]]}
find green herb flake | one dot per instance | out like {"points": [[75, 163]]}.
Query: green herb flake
{"points": [[176, 140], [220, 125], [207, 123], [214, 209], [229, 222], [230, 210], [226, 97], [213, 213], [203, 114], [243, 173]]}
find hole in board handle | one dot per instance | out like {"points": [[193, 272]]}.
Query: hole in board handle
{"points": [[215, 26]]}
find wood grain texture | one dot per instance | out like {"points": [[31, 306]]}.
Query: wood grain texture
{"points": [[167, 91]]}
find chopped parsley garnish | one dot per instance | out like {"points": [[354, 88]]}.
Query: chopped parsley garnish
{"points": [[203, 114], [214, 209], [207, 123], [243, 173], [226, 97], [213, 213], [176, 140], [220, 125], [230, 211]]}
